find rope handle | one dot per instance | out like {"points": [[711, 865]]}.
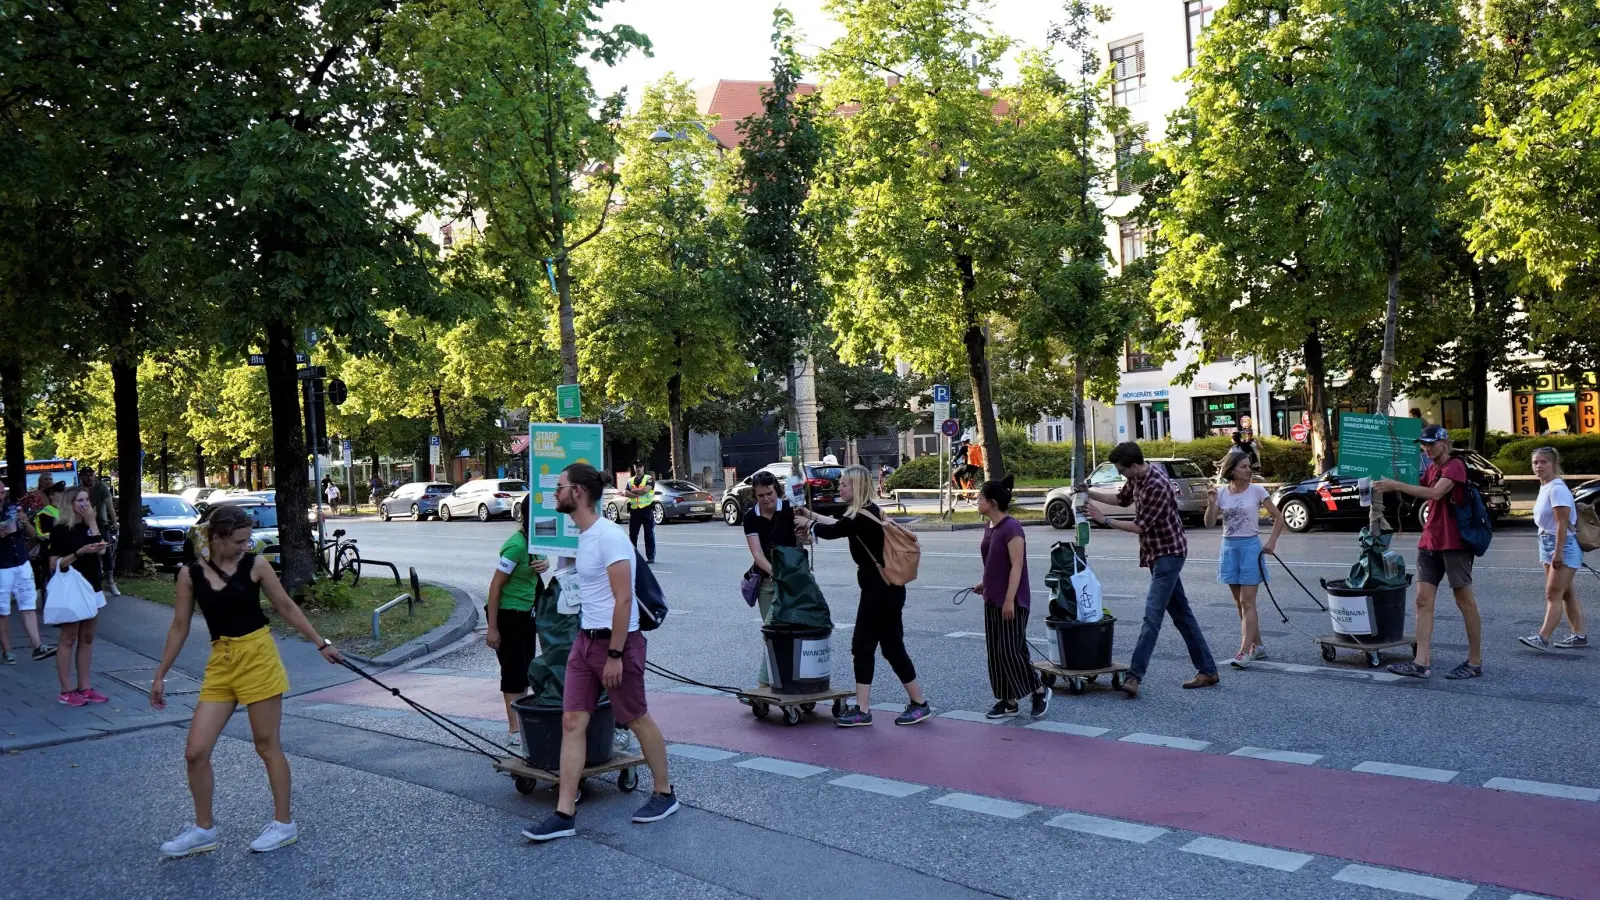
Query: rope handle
{"points": [[451, 727]]}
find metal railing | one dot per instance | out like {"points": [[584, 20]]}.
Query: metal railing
{"points": [[410, 599]]}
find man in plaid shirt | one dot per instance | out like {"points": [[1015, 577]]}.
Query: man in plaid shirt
{"points": [[1162, 549]]}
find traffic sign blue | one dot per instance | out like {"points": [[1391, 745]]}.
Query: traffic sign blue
{"points": [[941, 393]]}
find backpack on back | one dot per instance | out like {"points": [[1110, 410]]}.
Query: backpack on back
{"points": [[1588, 530], [902, 552], [1472, 520]]}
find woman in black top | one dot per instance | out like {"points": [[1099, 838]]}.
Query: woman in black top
{"points": [[243, 668], [76, 541], [878, 623], [768, 524]]}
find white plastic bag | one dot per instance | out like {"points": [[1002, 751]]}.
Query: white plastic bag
{"points": [[69, 597], [1087, 588]]}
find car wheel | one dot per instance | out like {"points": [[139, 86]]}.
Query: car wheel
{"points": [[483, 513], [1059, 514], [731, 513], [1296, 515], [658, 513], [517, 513], [613, 513], [1422, 514], [383, 512], [416, 513], [444, 511]]}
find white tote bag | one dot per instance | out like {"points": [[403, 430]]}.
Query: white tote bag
{"points": [[1087, 588], [69, 597]]}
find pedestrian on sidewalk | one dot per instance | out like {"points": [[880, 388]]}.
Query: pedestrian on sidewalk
{"points": [[1241, 565], [768, 524], [1556, 514], [641, 494], [878, 616], [105, 510], [17, 587], [608, 652], [333, 497], [513, 596], [78, 541], [1163, 548], [244, 668], [44, 522], [1440, 555], [1006, 603]]}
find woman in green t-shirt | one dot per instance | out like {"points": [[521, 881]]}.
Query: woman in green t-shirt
{"points": [[513, 591]]}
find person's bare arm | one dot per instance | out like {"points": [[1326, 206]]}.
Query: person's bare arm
{"points": [[762, 563], [1213, 508], [1014, 550], [177, 634], [497, 582], [619, 574], [1433, 492], [1271, 546], [1562, 513], [263, 575]]}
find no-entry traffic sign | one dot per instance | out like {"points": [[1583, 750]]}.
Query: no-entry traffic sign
{"points": [[951, 428]]}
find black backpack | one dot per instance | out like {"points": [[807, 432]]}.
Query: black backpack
{"points": [[647, 593]]}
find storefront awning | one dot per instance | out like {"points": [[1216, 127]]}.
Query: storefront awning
{"points": [[520, 445]]}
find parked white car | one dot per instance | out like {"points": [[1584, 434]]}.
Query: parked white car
{"points": [[483, 498]]}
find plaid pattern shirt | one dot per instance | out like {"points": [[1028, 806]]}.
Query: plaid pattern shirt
{"points": [[1156, 514]]}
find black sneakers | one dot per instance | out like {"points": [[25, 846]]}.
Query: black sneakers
{"points": [[658, 807], [1002, 709], [554, 826], [1041, 704]]}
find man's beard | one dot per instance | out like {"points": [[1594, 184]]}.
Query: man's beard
{"points": [[566, 505]]}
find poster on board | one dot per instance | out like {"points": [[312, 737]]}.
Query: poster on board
{"points": [[552, 446]]}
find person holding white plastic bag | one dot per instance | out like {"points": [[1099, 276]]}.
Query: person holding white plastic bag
{"points": [[77, 546], [1005, 594], [1237, 502]]}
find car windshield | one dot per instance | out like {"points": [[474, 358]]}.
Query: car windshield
{"points": [[514, 486], [684, 486], [160, 507], [440, 488], [262, 516], [1183, 468], [832, 473]]}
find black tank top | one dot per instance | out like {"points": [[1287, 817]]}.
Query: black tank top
{"points": [[234, 611]]}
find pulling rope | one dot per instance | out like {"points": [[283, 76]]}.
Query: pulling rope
{"points": [[1261, 565], [451, 727], [670, 675]]}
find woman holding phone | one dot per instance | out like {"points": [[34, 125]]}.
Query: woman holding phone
{"points": [[1237, 502], [78, 542]]}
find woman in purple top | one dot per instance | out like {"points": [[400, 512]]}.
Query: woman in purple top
{"points": [[1004, 589]]}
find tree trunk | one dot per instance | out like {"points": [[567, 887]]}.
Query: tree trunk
{"points": [[1079, 426], [1316, 398], [1391, 319], [199, 464], [811, 439], [11, 394], [675, 425], [1477, 364], [445, 455], [792, 420], [569, 333], [130, 465], [165, 484], [289, 456]]}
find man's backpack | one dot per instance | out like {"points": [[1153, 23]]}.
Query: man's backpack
{"points": [[648, 594], [902, 552], [1588, 530], [1472, 520]]}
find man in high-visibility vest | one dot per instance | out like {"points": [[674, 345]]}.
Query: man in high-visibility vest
{"points": [[641, 494]]}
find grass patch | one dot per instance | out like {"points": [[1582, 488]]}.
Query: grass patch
{"points": [[1043, 482], [350, 626], [971, 517]]}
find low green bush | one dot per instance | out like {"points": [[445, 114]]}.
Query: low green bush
{"points": [[325, 594], [1280, 460], [1492, 441], [1580, 453], [922, 473]]}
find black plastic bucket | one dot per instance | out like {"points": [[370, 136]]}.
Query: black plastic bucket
{"points": [[1083, 645], [541, 734], [1367, 615], [798, 659]]}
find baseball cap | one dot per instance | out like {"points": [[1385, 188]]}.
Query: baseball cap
{"points": [[1432, 434]]}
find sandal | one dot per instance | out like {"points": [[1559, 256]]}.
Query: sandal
{"points": [[1410, 669], [1465, 670]]}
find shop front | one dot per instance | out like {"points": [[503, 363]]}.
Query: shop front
{"points": [[1221, 414], [1147, 414], [1556, 404]]}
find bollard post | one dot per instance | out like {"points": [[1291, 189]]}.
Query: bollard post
{"points": [[416, 592]]}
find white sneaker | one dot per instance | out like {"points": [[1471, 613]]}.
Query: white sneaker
{"points": [[513, 739], [623, 742], [193, 839], [276, 834]]}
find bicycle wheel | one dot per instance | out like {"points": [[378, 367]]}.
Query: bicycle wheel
{"points": [[348, 560]]}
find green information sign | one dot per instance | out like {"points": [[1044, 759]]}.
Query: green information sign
{"points": [[552, 446], [568, 404], [791, 443], [1376, 446], [1556, 397]]}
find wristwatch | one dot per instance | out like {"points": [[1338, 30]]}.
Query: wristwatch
{"points": [[325, 643], [613, 654]]}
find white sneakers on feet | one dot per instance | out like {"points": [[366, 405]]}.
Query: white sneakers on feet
{"points": [[513, 739], [275, 835], [193, 839]]}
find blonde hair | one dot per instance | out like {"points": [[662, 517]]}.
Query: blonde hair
{"points": [[860, 481], [68, 507], [1554, 457]]}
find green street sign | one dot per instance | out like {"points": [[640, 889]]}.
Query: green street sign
{"points": [[1377, 446], [791, 443], [1556, 397], [568, 404]]}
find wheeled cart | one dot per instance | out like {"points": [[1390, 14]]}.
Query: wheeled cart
{"points": [[1332, 643], [762, 700], [528, 778], [1078, 680]]}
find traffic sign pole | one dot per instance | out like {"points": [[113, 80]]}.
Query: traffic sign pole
{"points": [[941, 412]]}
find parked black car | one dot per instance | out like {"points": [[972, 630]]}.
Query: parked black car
{"points": [[822, 490], [1588, 492], [1334, 498], [168, 519]]}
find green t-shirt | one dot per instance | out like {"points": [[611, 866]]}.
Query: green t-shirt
{"points": [[521, 589]]}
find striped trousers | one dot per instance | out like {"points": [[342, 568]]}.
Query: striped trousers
{"points": [[1011, 675]]}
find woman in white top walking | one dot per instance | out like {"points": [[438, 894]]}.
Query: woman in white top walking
{"points": [[1556, 514], [1237, 502]]}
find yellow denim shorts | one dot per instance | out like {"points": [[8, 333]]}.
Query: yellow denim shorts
{"points": [[244, 670]]}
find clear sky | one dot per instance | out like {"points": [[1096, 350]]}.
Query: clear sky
{"points": [[703, 40]]}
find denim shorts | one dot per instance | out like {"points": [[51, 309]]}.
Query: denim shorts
{"points": [[1240, 561], [1571, 554]]}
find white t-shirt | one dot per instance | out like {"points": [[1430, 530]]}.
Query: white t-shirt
{"points": [[601, 545], [1552, 495], [1241, 513]]}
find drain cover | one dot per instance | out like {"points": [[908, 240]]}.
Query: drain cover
{"points": [[177, 682]]}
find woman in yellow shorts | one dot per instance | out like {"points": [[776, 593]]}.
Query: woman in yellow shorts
{"points": [[244, 668]]}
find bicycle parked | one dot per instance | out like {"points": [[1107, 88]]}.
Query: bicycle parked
{"points": [[338, 556]]}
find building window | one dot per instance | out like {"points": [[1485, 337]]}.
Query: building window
{"points": [[1197, 15], [1127, 72], [1215, 349], [1130, 147], [1134, 240], [1222, 414], [447, 236], [1054, 429], [1136, 359]]}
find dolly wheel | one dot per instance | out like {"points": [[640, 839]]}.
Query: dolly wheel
{"points": [[1413, 649], [1373, 660], [759, 708], [791, 715], [525, 785], [1116, 681], [838, 707], [1093, 678], [1076, 686], [1049, 679], [628, 780], [1328, 653], [808, 707]]}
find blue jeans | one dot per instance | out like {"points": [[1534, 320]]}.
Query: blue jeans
{"points": [[1167, 597]]}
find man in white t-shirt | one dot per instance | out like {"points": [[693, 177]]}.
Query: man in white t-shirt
{"points": [[609, 652]]}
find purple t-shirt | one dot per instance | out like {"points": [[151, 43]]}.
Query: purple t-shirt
{"points": [[997, 563]]}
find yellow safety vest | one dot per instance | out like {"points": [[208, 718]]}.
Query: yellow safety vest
{"points": [[646, 501]]}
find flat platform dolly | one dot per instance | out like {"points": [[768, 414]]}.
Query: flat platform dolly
{"points": [[762, 701], [1332, 643], [1076, 681], [528, 777]]}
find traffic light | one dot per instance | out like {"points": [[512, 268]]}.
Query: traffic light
{"points": [[316, 415]]}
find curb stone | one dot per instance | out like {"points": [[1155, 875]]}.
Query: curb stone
{"points": [[924, 525], [461, 623]]}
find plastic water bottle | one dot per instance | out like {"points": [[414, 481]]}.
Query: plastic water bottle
{"points": [[1364, 489]]}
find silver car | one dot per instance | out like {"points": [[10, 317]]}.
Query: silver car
{"points": [[419, 500], [484, 498], [674, 499], [1189, 485]]}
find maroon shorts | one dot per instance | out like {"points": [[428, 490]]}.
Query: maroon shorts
{"points": [[584, 667]]}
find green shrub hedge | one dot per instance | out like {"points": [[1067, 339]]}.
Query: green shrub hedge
{"points": [[1580, 453], [1492, 441]]}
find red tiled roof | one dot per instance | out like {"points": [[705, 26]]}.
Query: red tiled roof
{"points": [[734, 101]]}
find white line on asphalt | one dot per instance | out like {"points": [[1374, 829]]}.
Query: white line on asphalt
{"points": [[696, 690], [1418, 772], [1111, 828], [1354, 674], [879, 785], [1529, 897], [1068, 728], [1250, 854], [962, 715], [781, 767], [1162, 740], [989, 806], [1405, 883], [704, 754], [1287, 756], [1562, 791]]}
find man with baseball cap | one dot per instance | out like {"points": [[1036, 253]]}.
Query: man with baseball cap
{"points": [[1440, 554]]}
